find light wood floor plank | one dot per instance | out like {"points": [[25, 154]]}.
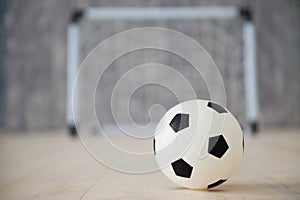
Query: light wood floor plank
{"points": [[54, 166]]}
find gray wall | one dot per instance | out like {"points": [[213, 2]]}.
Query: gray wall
{"points": [[278, 40], [2, 75], [35, 59]]}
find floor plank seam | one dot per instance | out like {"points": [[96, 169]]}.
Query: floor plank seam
{"points": [[286, 186], [83, 195]]}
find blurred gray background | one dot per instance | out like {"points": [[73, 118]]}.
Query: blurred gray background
{"points": [[33, 58]]}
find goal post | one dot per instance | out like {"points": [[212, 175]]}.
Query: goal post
{"points": [[169, 13]]}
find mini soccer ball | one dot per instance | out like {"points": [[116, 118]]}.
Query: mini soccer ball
{"points": [[198, 144]]}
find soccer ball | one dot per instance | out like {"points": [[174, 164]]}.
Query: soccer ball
{"points": [[198, 144]]}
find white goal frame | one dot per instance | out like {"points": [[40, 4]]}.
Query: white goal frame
{"points": [[155, 13]]}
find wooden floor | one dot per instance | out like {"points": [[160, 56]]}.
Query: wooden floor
{"points": [[55, 166]]}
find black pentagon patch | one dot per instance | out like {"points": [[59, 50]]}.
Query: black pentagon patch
{"points": [[182, 168], [154, 146], [219, 182], [217, 146], [179, 122], [216, 107]]}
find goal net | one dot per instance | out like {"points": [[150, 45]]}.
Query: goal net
{"points": [[226, 33]]}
